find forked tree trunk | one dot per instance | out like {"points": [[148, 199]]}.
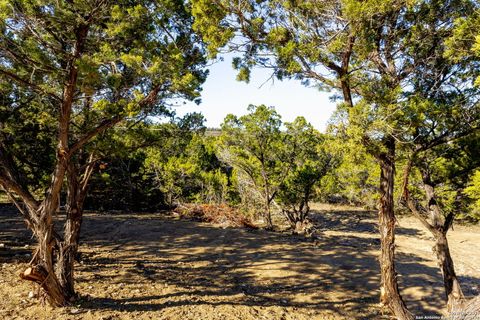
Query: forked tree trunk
{"points": [[52, 266], [389, 293], [69, 247], [297, 216], [77, 191], [47, 261]]}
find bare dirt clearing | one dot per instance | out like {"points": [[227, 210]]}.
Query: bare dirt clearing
{"points": [[152, 266]]}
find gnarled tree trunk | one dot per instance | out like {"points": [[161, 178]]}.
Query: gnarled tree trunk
{"points": [[77, 191], [52, 266], [453, 291], [389, 293], [43, 264], [438, 227]]}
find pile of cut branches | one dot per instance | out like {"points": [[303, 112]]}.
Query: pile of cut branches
{"points": [[221, 214]]}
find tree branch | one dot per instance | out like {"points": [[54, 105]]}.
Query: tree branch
{"points": [[410, 202], [108, 123], [10, 181], [27, 83]]}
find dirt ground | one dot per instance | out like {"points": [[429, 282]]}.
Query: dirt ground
{"points": [[157, 266]]}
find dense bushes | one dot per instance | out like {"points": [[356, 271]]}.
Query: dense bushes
{"points": [[261, 166]]}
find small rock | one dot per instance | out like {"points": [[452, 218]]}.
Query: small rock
{"points": [[2, 245], [75, 311], [90, 287], [26, 246], [31, 295]]}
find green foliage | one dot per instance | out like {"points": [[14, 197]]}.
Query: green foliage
{"points": [[127, 43], [69, 70], [308, 162], [27, 131], [185, 167], [293, 31], [253, 145], [473, 192], [274, 167], [354, 179]]}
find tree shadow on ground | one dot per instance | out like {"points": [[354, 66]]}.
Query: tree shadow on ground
{"points": [[15, 239], [208, 265], [206, 261]]}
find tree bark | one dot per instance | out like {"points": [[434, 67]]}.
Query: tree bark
{"points": [[43, 264], [267, 196], [467, 310], [52, 266], [51, 251], [440, 226], [389, 293], [77, 190], [453, 291], [268, 212]]}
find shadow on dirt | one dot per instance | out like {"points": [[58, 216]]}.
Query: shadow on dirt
{"points": [[215, 266], [15, 239], [208, 261]]}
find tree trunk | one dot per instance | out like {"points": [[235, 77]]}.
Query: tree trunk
{"points": [[440, 226], [453, 291], [52, 266], [69, 246], [43, 264], [268, 213], [77, 191], [389, 293], [68, 250], [296, 217]]}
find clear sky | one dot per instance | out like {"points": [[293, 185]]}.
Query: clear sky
{"points": [[222, 95]]}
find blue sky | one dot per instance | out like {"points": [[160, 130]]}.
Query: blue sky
{"points": [[222, 95]]}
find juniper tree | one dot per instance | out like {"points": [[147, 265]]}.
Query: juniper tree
{"points": [[86, 66], [253, 144], [365, 50], [308, 161]]}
